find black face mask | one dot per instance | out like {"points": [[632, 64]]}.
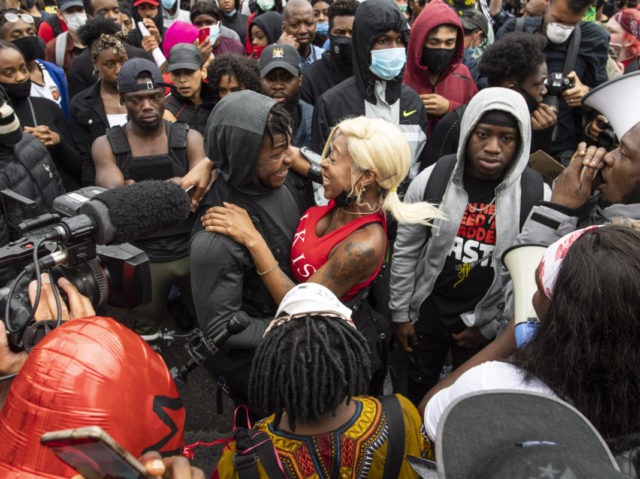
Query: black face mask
{"points": [[30, 48], [532, 103], [437, 59], [17, 91], [341, 50]]}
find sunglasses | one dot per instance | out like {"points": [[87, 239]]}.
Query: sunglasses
{"points": [[14, 17]]}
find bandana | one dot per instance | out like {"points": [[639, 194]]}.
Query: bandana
{"points": [[628, 23], [554, 256]]}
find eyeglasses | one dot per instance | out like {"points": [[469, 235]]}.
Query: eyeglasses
{"points": [[14, 17]]}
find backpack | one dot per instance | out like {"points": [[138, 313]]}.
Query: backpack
{"points": [[54, 23]]}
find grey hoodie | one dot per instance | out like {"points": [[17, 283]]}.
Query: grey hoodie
{"points": [[415, 265]]}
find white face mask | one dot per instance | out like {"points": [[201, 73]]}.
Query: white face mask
{"points": [[75, 20], [558, 33]]}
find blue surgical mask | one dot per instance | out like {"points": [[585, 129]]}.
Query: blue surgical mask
{"points": [[168, 4], [322, 28], [214, 33], [387, 64], [266, 5]]}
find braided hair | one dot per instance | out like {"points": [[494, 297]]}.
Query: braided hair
{"points": [[307, 367]]}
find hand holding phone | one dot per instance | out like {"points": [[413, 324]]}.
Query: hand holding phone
{"points": [[203, 35], [94, 454]]}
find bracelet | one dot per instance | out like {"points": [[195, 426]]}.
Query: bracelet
{"points": [[267, 271]]}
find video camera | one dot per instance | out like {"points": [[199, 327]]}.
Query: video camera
{"points": [[67, 243]]}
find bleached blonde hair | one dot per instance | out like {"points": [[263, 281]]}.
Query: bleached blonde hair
{"points": [[379, 146]]}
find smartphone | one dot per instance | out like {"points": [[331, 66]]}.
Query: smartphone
{"points": [[144, 31], [94, 454], [203, 35]]}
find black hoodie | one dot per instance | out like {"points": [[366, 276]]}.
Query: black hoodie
{"points": [[372, 19], [223, 277]]}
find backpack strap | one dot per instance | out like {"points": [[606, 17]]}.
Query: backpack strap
{"points": [[54, 23], [532, 191], [177, 133], [572, 52], [119, 143], [438, 181], [61, 48], [519, 25], [253, 446], [395, 446]]}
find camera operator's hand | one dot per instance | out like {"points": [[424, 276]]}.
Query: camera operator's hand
{"points": [[10, 362], [79, 305], [573, 96], [595, 127], [573, 186], [543, 117]]}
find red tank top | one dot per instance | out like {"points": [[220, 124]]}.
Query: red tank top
{"points": [[309, 251]]}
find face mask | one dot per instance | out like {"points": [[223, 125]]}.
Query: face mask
{"points": [[266, 5], [214, 33], [322, 28], [256, 51], [341, 50], [231, 13], [30, 48], [437, 59], [402, 7], [168, 4], [18, 91], [558, 33], [387, 64], [75, 20]]}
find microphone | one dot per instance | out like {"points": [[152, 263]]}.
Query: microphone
{"points": [[200, 348], [126, 213]]}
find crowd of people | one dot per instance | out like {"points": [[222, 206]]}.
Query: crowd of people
{"points": [[355, 172]]}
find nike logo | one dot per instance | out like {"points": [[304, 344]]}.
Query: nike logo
{"points": [[406, 113]]}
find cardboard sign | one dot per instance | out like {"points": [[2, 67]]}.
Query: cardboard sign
{"points": [[546, 165]]}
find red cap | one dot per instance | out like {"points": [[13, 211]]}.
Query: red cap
{"points": [[150, 2]]}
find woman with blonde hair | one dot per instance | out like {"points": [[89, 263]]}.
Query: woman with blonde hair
{"points": [[341, 245]]}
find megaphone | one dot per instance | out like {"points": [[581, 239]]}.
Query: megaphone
{"points": [[521, 261], [618, 101]]}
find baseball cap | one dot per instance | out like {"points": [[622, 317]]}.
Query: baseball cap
{"points": [[184, 56], [150, 2], [511, 435], [473, 20], [279, 56], [65, 4], [131, 70]]}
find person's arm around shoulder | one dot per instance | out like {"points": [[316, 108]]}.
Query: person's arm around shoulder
{"points": [[108, 175]]}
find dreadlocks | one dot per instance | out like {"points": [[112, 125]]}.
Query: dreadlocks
{"points": [[307, 367]]}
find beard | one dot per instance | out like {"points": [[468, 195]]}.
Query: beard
{"points": [[632, 197]]}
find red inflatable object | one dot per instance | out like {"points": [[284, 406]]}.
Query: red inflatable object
{"points": [[91, 371]]}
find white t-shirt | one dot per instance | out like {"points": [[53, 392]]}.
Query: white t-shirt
{"points": [[48, 90], [488, 376]]}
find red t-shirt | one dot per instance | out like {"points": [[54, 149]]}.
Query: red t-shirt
{"points": [[309, 251]]}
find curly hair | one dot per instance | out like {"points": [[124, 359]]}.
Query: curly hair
{"points": [[586, 348], [307, 367], [245, 70], [95, 27], [517, 55]]}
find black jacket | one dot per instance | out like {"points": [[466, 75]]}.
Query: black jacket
{"points": [[64, 155], [88, 122], [81, 74], [373, 18], [321, 76], [28, 170], [236, 22], [184, 110]]}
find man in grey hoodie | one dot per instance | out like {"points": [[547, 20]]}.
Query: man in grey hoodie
{"points": [[249, 136], [447, 282]]}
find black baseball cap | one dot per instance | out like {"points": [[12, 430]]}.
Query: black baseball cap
{"points": [[184, 56], [279, 56], [517, 435], [132, 69]]}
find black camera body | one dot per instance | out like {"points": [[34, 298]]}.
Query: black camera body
{"points": [[118, 275], [556, 84]]}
